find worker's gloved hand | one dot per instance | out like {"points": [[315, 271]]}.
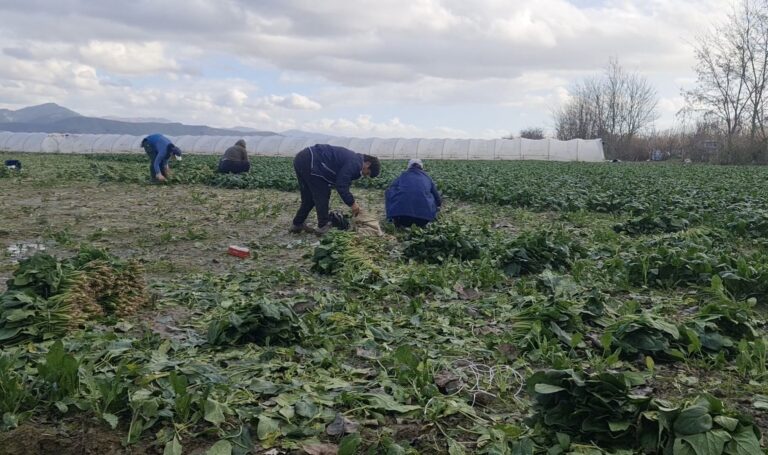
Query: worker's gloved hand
{"points": [[355, 209]]}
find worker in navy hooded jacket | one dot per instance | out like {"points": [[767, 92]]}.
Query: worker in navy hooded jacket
{"points": [[159, 149], [412, 198], [322, 167]]}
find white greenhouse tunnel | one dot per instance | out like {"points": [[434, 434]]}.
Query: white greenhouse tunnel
{"points": [[446, 149]]}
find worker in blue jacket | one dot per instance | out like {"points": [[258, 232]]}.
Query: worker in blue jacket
{"points": [[159, 149], [322, 167], [412, 198]]}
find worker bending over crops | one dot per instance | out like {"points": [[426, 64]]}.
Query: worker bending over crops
{"points": [[412, 198], [318, 169], [159, 149], [235, 159]]}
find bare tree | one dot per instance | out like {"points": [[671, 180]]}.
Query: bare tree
{"points": [[532, 133], [582, 116], [732, 77], [615, 107], [754, 36]]}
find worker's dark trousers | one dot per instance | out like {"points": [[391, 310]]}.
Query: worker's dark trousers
{"points": [[152, 154], [234, 167], [408, 221], [315, 192]]}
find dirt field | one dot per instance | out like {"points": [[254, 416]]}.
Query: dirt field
{"points": [[175, 230], [361, 324]]}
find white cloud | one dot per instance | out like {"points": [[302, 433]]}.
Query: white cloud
{"points": [[367, 42], [671, 105], [366, 126], [128, 58], [325, 63], [233, 97], [293, 101], [528, 91], [362, 126]]}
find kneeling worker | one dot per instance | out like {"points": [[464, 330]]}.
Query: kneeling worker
{"points": [[320, 167], [412, 198], [235, 159]]}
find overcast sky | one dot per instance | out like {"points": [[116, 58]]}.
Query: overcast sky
{"points": [[386, 68]]}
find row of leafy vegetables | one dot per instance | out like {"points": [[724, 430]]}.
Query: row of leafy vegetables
{"points": [[647, 198]]}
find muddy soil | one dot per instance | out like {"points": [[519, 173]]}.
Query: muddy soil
{"points": [[31, 438], [175, 230], [81, 437]]}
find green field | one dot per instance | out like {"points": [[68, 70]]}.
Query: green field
{"points": [[554, 308]]}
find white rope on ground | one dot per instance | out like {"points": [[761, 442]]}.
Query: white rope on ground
{"points": [[482, 371], [475, 378]]}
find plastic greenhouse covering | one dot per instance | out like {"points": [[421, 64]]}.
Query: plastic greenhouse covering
{"points": [[448, 149]]}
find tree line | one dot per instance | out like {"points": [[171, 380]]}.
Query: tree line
{"points": [[724, 116]]}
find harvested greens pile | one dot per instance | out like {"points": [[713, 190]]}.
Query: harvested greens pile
{"points": [[48, 297]]}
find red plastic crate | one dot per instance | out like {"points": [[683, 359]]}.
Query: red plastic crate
{"points": [[239, 251]]}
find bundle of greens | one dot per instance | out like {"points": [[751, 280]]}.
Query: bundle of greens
{"points": [[346, 252], [647, 334], [441, 241], [611, 409], [262, 322], [596, 407], [534, 252], [47, 297], [701, 426]]}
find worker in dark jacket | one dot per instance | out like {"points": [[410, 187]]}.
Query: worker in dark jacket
{"points": [[412, 198], [235, 159], [322, 167], [159, 149]]}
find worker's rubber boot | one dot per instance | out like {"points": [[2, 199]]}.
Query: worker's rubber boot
{"points": [[299, 228], [321, 231]]}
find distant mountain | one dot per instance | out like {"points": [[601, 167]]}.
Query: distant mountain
{"points": [[52, 118], [92, 125], [43, 113], [138, 119], [299, 133], [245, 129]]}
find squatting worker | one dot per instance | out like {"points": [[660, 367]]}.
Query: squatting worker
{"points": [[235, 159], [159, 149], [321, 167], [412, 198]]}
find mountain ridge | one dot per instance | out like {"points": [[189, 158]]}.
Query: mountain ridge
{"points": [[52, 118]]}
